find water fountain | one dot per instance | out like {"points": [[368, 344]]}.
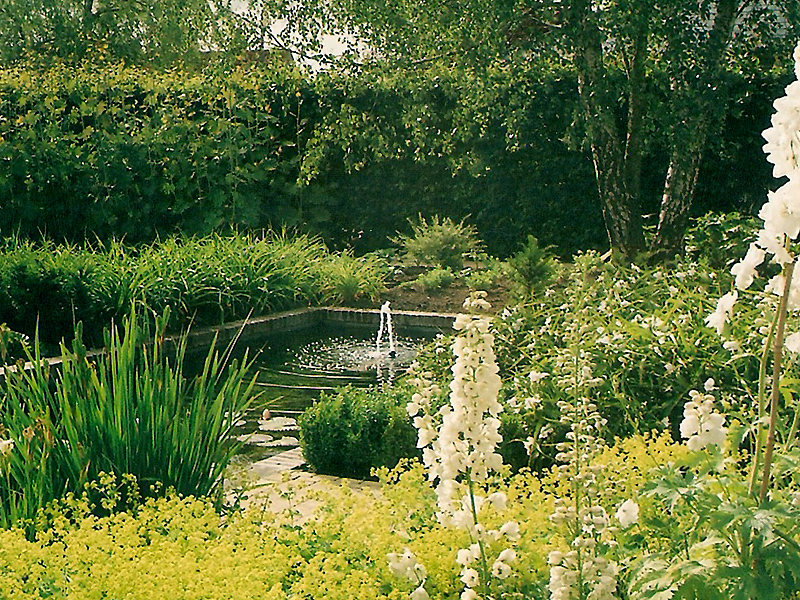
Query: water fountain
{"points": [[386, 320], [296, 366]]}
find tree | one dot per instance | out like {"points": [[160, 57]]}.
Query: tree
{"points": [[648, 74], [132, 30]]}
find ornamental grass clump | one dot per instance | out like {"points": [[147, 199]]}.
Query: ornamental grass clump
{"points": [[459, 443], [128, 411]]}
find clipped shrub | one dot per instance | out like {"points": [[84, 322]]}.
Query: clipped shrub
{"points": [[441, 242], [354, 430]]}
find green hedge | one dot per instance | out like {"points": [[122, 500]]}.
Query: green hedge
{"points": [[113, 151]]}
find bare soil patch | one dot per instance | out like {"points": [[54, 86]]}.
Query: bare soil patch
{"points": [[403, 294]]}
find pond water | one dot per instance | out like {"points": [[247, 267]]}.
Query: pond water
{"points": [[295, 367]]}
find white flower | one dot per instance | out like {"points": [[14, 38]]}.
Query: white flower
{"points": [[405, 565], [720, 316], [701, 424], [508, 555], [745, 270], [6, 446], [500, 570], [510, 530], [536, 376], [419, 594], [792, 342], [627, 514], [469, 594], [709, 385], [470, 577], [497, 500]]}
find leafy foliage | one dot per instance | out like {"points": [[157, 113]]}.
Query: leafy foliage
{"points": [[355, 430], [204, 281], [126, 411], [440, 242], [532, 267], [113, 151]]}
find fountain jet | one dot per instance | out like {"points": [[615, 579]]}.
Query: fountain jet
{"points": [[386, 324]]}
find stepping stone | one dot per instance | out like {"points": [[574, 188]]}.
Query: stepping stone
{"points": [[287, 441], [274, 465], [256, 439], [278, 424]]}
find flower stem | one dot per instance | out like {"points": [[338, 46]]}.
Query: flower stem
{"points": [[762, 384], [788, 271], [484, 563]]}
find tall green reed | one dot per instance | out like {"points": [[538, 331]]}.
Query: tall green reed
{"points": [[128, 410]]}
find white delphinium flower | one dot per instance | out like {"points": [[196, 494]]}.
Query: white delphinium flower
{"points": [[781, 212], [419, 594], [406, 566], [467, 438], [581, 572], [701, 424], [745, 270], [792, 342], [459, 443], [627, 514], [720, 316], [537, 376]]}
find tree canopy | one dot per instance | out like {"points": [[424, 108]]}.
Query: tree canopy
{"points": [[649, 75]]}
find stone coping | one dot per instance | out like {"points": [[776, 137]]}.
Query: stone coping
{"points": [[292, 320]]}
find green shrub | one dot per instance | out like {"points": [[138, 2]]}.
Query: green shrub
{"points": [[355, 430], [440, 242], [721, 239], [433, 280], [532, 267], [495, 273], [13, 345]]}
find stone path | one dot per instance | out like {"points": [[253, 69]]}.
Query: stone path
{"points": [[270, 468], [276, 485]]}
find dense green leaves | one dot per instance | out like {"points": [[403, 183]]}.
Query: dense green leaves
{"points": [[201, 281], [127, 411]]}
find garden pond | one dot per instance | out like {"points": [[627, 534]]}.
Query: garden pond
{"points": [[295, 366]]}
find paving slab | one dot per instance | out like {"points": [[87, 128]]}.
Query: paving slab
{"points": [[276, 485]]}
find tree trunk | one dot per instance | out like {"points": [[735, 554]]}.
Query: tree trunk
{"points": [[634, 142], [621, 211], [676, 202], [691, 142]]}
